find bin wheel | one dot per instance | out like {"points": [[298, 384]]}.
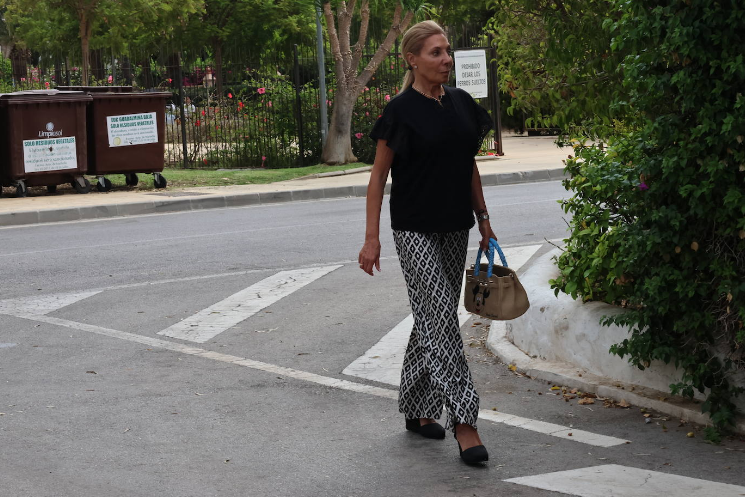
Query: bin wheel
{"points": [[105, 187], [131, 179], [51, 188], [160, 181], [80, 188], [21, 190]]}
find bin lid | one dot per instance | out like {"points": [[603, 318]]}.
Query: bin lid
{"points": [[43, 96]]}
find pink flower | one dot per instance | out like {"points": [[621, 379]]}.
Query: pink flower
{"points": [[328, 102], [240, 105], [170, 80], [263, 158], [230, 95], [261, 91], [111, 79], [387, 98], [358, 135], [367, 113], [46, 84], [23, 79], [643, 186], [203, 113], [269, 104]]}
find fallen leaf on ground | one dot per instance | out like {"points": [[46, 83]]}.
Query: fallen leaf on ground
{"points": [[586, 401], [624, 404]]}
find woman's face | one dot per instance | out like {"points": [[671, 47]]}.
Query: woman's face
{"points": [[433, 62]]}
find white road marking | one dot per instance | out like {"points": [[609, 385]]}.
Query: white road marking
{"points": [[45, 304], [210, 322], [612, 479], [216, 356], [271, 368], [383, 361], [552, 429]]}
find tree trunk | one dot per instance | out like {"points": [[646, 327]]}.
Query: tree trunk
{"points": [[338, 149], [85, 36], [347, 58], [18, 58]]}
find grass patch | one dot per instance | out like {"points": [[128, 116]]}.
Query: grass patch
{"points": [[189, 178]]}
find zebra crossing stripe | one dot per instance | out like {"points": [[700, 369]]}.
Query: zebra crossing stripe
{"points": [[613, 479], [210, 322]]}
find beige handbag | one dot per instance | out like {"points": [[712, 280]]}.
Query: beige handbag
{"points": [[493, 291]]}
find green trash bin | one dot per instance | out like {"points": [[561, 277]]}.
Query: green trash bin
{"points": [[126, 135], [43, 140]]}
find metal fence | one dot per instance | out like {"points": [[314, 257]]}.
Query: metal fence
{"points": [[239, 109]]}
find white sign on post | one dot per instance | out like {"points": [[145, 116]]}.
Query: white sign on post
{"points": [[51, 154], [470, 72], [132, 129]]}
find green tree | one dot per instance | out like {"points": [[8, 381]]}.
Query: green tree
{"points": [[113, 23], [351, 75], [555, 61]]}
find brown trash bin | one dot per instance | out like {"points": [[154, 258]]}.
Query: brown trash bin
{"points": [[126, 135], [44, 141]]}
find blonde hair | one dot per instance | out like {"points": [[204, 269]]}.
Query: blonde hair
{"points": [[414, 41]]}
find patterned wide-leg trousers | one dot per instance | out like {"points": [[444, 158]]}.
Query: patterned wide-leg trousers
{"points": [[435, 372]]}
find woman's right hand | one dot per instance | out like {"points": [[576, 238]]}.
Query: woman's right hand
{"points": [[370, 256]]}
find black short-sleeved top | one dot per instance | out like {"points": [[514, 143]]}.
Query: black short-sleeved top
{"points": [[433, 162]]}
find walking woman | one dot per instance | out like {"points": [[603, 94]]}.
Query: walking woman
{"points": [[427, 138]]}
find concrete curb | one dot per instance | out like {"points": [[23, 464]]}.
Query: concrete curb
{"points": [[185, 204], [568, 375]]}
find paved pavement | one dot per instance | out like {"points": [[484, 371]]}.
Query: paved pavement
{"points": [[526, 159], [106, 389]]}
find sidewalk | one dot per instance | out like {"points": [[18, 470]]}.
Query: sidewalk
{"points": [[526, 159]]}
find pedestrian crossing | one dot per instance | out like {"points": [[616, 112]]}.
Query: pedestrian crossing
{"points": [[381, 363]]}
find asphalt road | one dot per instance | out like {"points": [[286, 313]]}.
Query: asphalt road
{"points": [[96, 400]]}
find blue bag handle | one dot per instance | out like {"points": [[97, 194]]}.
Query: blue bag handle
{"points": [[490, 258]]}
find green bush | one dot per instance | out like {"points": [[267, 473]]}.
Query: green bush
{"points": [[659, 218]]}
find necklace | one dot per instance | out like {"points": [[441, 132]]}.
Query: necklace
{"points": [[437, 99]]}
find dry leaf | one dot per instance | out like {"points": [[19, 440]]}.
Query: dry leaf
{"points": [[624, 404], [512, 367], [586, 401]]}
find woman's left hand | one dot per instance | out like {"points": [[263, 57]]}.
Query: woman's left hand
{"points": [[486, 233]]}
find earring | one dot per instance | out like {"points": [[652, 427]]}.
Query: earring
{"points": [[416, 67]]}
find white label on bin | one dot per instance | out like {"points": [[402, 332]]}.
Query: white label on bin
{"points": [[51, 154], [132, 129], [470, 72]]}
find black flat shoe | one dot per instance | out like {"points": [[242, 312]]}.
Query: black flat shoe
{"points": [[430, 430], [473, 455]]}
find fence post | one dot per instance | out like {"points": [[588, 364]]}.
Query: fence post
{"points": [[182, 113], [496, 98], [299, 119]]}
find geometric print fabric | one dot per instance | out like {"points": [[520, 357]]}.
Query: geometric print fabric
{"points": [[435, 372]]}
